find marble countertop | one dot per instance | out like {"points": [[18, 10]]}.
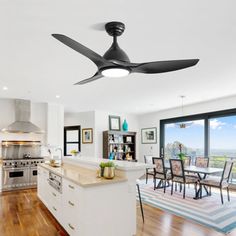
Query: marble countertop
{"points": [[82, 176], [120, 165]]}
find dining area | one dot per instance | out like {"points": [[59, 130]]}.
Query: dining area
{"points": [[184, 174]]}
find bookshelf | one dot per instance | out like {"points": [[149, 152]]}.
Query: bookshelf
{"points": [[119, 145]]}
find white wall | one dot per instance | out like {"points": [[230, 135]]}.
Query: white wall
{"points": [[85, 120], [99, 121], [153, 119], [102, 124]]}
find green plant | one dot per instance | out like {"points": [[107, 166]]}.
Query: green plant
{"points": [[110, 164], [74, 152], [107, 164], [181, 156], [102, 165]]}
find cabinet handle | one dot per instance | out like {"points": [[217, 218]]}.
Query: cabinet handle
{"points": [[54, 194], [54, 208], [71, 226], [70, 186], [71, 203]]}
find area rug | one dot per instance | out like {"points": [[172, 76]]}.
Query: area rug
{"points": [[207, 211]]}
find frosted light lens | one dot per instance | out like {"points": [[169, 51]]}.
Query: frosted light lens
{"points": [[115, 72]]}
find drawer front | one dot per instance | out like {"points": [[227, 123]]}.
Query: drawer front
{"points": [[69, 186], [71, 221]]}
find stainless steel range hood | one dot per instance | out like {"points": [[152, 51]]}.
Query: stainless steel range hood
{"points": [[22, 117]]}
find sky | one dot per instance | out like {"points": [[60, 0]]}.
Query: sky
{"points": [[222, 133]]}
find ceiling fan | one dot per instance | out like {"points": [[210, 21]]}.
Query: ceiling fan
{"points": [[115, 62]]}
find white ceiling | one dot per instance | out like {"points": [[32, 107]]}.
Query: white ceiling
{"points": [[35, 66]]}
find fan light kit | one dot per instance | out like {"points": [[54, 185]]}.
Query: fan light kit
{"points": [[115, 72], [115, 62]]}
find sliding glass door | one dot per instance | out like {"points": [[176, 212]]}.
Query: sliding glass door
{"points": [[190, 135], [210, 134], [222, 141]]}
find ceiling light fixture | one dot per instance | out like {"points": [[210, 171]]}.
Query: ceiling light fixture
{"points": [[115, 72], [183, 125], [5, 88], [58, 96]]}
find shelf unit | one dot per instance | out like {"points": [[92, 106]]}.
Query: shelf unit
{"points": [[119, 145]]}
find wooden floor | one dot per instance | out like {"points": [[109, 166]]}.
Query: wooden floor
{"points": [[22, 214]]}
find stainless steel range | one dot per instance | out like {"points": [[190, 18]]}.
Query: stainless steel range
{"points": [[20, 173], [18, 167]]}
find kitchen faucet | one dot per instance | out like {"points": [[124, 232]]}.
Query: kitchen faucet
{"points": [[60, 149]]}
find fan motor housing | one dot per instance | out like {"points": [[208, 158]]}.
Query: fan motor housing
{"points": [[115, 28]]}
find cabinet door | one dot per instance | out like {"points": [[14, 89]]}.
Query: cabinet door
{"points": [[70, 202], [55, 203]]}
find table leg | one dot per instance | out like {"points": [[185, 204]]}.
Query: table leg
{"points": [[198, 194]]}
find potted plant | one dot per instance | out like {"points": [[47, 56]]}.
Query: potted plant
{"points": [[74, 153], [109, 170], [181, 155], [102, 166]]}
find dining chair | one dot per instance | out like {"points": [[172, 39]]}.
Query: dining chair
{"points": [[160, 173], [219, 182], [202, 162], [149, 171], [187, 161], [178, 175]]}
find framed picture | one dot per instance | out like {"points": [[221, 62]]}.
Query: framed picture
{"points": [[87, 135], [149, 135], [114, 123]]}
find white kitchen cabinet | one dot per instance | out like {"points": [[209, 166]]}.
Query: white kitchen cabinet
{"points": [[70, 201], [90, 206], [55, 125], [42, 185]]}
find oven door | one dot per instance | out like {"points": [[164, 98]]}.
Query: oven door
{"points": [[33, 173], [15, 178]]}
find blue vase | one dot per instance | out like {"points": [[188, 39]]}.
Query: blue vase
{"points": [[125, 125]]}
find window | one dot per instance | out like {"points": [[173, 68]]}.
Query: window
{"points": [[189, 134], [222, 141], [71, 139], [210, 134]]}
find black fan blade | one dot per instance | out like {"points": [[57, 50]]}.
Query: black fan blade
{"points": [[91, 79], [163, 66], [93, 56]]}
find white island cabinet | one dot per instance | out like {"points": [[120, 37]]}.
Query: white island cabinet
{"points": [[87, 205]]}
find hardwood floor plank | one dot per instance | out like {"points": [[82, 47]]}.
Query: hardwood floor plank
{"points": [[23, 214]]}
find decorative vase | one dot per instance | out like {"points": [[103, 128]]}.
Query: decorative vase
{"points": [[109, 172], [125, 125]]}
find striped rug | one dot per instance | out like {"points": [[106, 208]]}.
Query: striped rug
{"points": [[207, 211]]}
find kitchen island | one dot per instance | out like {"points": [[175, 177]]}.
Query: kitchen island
{"points": [[86, 205]]}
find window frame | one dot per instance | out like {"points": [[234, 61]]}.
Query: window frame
{"points": [[202, 116], [70, 128]]}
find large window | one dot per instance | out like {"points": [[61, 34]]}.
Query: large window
{"points": [[189, 134], [222, 141], [210, 134]]}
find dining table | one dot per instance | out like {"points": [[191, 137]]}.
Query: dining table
{"points": [[202, 173]]}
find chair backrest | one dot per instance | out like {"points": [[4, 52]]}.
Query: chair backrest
{"points": [[227, 171], [177, 168], [187, 161], [202, 162], [159, 165], [147, 159]]}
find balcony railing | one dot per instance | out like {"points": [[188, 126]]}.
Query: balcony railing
{"points": [[219, 162]]}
